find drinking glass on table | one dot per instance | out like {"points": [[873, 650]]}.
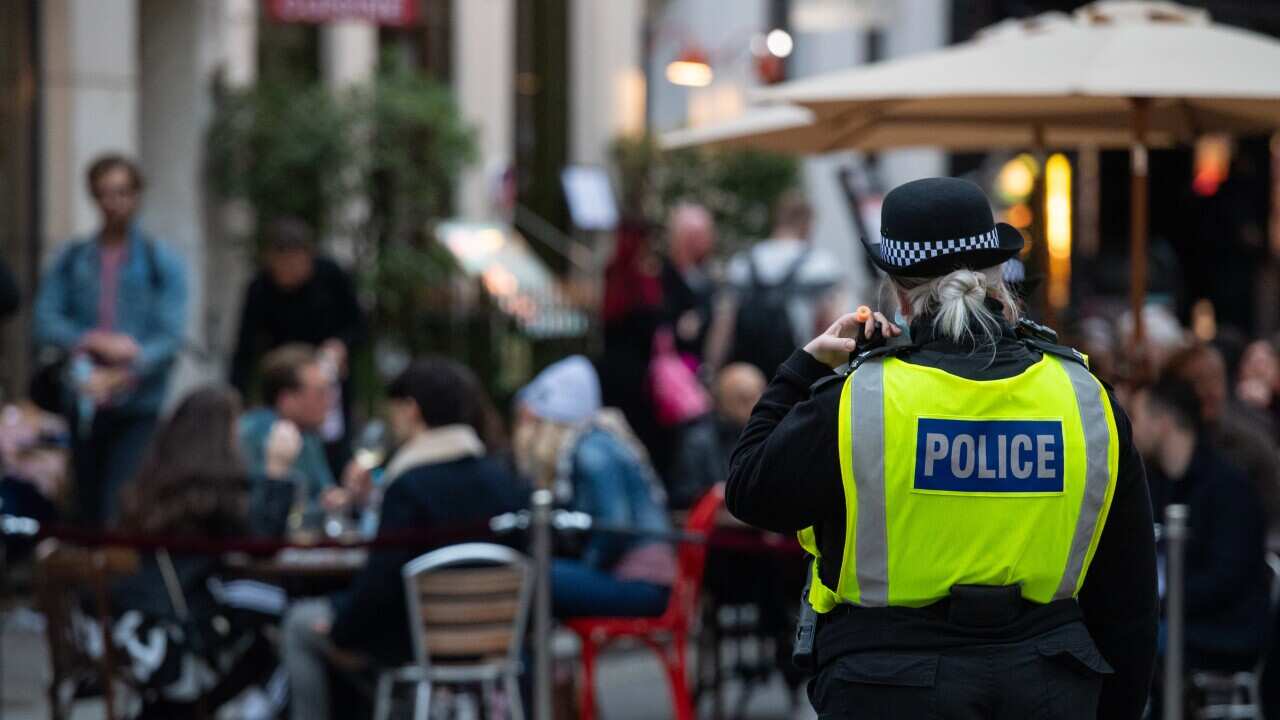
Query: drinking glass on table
{"points": [[370, 454]]}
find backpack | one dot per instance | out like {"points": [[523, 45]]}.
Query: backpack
{"points": [[762, 332]]}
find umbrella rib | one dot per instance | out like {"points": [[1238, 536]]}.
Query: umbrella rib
{"points": [[846, 136]]}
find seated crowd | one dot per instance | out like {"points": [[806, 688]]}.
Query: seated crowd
{"points": [[1205, 423], [194, 630]]}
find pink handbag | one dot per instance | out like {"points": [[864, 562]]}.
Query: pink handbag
{"points": [[677, 395]]}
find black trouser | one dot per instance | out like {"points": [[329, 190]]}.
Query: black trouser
{"points": [[105, 458], [1055, 676]]}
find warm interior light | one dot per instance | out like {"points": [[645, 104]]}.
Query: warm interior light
{"points": [[691, 69], [1019, 216], [1057, 227], [1017, 178], [1212, 164], [1057, 206]]}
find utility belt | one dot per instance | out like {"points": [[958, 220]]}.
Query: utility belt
{"points": [[968, 606]]}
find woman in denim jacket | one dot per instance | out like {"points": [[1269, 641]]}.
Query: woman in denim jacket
{"points": [[590, 458]]}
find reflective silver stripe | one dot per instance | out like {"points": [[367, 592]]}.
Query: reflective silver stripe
{"points": [[1097, 441], [871, 549]]}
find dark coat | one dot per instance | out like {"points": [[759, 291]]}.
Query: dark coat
{"points": [[371, 617], [1226, 588], [785, 475], [702, 459], [323, 308]]}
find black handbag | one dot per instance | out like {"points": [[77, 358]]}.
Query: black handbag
{"points": [[48, 388]]}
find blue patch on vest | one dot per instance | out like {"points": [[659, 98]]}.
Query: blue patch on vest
{"points": [[1015, 456]]}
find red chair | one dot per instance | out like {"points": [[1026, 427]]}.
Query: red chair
{"points": [[668, 634]]}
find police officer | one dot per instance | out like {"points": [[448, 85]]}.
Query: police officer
{"points": [[977, 515]]}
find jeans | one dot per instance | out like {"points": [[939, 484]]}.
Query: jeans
{"points": [[105, 458], [580, 591], [303, 651]]}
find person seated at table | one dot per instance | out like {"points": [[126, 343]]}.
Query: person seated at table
{"points": [[702, 457], [589, 457], [443, 477], [1225, 591], [195, 638], [296, 389]]}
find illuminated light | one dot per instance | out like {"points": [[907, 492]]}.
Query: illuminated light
{"points": [[691, 69], [1019, 216], [1057, 228], [500, 282], [475, 244], [1204, 321], [1212, 164], [779, 42], [1057, 206], [1017, 178]]}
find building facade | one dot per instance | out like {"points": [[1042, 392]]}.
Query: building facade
{"points": [[83, 77]]}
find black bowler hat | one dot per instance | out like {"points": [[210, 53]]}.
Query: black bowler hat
{"points": [[932, 226]]}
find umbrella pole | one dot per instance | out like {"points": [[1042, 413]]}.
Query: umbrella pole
{"points": [[1138, 216]]}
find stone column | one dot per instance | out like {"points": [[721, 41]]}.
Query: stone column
{"points": [[483, 78], [349, 61], [229, 260], [90, 104], [608, 84], [180, 53]]}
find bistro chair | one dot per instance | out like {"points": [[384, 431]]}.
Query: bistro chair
{"points": [[1238, 696], [64, 575], [468, 606], [668, 634]]}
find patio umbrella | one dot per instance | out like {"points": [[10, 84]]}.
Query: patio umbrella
{"points": [[1139, 73], [792, 129], [776, 128]]}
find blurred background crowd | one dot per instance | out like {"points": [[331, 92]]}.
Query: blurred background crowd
{"points": [[296, 272]]}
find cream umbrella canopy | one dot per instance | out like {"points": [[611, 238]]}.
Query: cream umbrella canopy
{"points": [[1114, 73]]}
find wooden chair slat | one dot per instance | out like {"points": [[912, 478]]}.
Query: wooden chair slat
{"points": [[471, 581], [451, 612], [443, 641]]}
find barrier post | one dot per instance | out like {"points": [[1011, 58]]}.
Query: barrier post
{"points": [[540, 539], [1175, 533]]}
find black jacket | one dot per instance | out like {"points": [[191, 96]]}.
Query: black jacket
{"points": [[1226, 588], [371, 616], [702, 459], [785, 476], [324, 307]]}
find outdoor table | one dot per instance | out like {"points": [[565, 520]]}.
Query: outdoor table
{"points": [[303, 571]]}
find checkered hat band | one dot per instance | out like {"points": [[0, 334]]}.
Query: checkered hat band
{"points": [[901, 254]]}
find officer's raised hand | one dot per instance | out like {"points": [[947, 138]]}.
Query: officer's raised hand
{"points": [[832, 347]]}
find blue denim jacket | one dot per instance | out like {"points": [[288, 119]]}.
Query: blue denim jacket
{"points": [[151, 307], [614, 488]]}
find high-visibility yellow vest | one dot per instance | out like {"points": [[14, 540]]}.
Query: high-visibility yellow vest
{"points": [[950, 481]]}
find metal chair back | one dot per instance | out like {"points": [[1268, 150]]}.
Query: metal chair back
{"points": [[468, 605]]}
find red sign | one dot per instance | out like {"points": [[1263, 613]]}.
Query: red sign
{"points": [[382, 12]]}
